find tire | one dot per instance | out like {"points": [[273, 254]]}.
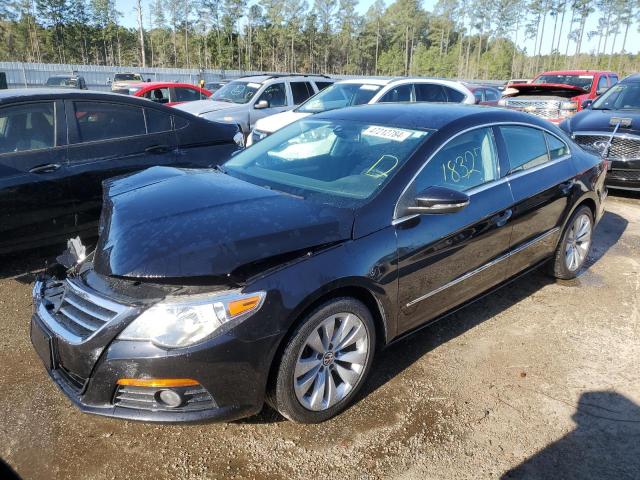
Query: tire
{"points": [[319, 374], [566, 265]]}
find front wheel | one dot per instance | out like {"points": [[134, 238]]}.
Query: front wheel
{"points": [[325, 362], [574, 246]]}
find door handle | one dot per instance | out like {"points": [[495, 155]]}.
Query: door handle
{"points": [[157, 149], [47, 168], [501, 219]]}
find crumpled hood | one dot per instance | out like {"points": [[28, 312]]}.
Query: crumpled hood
{"points": [[542, 89], [201, 107], [167, 222], [275, 122]]}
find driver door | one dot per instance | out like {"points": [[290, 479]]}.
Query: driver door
{"points": [[277, 100], [447, 259]]}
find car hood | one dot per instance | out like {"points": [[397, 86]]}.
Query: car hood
{"points": [[593, 120], [542, 89], [202, 107], [168, 222], [276, 122]]}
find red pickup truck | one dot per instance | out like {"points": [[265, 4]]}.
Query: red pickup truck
{"points": [[558, 95]]}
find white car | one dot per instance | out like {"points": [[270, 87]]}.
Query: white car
{"points": [[365, 90]]}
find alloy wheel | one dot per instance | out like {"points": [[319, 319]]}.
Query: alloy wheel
{"points": [[331, 361], [578, 242]]}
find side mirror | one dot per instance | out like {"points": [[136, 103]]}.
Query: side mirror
{"points": [[600, 91], [438, 200], [587, 103], [261, 104]]}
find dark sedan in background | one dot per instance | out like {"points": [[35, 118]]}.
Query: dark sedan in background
{"points": [[279, 275], [610, 127], [57, 146]]}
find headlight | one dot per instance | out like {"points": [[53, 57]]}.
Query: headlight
{"points": [[181, 322]]}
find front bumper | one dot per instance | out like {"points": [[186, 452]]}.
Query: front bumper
{"points": [[624, 175], [231, 370]]}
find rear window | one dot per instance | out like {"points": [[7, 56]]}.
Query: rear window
{"points": [[429, 92], [157, 121], [27, 127], [186, 94], [401, 93], [104, 121], [301, 91], [526, 147], [323, 85], [454, 96]]}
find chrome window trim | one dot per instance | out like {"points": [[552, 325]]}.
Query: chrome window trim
{"points": [[472, 191], [487, 265]]}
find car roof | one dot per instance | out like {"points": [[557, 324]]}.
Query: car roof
{"points": [[27, 94], [430, 116], [265, 77], [390, 80], [161, 84], [575, 72], [634, 77]]}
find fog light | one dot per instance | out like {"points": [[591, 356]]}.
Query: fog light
{"points": [[170, 398]]}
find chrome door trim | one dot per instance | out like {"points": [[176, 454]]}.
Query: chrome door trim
{"points": [[487, 265]]}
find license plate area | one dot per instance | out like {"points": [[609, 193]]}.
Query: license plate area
{"points": [[42, 343]]}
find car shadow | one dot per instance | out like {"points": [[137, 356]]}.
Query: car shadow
{"points": [[604, 444], [393, 360]]}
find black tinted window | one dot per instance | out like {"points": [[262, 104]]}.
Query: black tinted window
{"points": [[275, 94], [157, 121], [27, 127], [401, 93], [301, 91], [454, 96], [103, 121], [466, 162], [478, 96], [179, 122], [323, 85], [491, 94], [186, 94], [526, 147], [557, 148], [429, 92], [159, 95], [613, 79]]}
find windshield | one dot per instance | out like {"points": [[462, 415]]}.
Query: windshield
{"points": [[61, 82], [339, 95], [623, 96], [582, 81], [236, 92], [127, 77], [335, 161]]}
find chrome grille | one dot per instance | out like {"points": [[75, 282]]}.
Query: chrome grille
{"points": [[78, 312], [144, 398], [623, 147], [626, 175], [540, 108]]}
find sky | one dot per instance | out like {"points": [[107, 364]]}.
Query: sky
{"points": [[127, 8]]}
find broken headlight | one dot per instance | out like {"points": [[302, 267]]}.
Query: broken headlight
{"points": [[180, 322]]}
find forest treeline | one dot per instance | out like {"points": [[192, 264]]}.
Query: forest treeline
{"points": [[481, 39]]}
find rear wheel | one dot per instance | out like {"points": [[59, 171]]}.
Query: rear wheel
{"points": [[325, 362], [574, 246]]}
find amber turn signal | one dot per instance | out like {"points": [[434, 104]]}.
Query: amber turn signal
{"points": [[157, 382], [238, 307]]}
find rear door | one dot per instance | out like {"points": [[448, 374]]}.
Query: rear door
{"points": [[541, 179], [446, 259], [35, 203], [300, 91], [108, 139]]}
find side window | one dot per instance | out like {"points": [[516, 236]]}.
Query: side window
{"points": [[454, 96], [103, 121], [157, 121], [159, 95], [602, 84], [27, 127], [526, 147], [179, 122], [613, 79], [186, 94], [467, 161], [300, 91], [491, 94], [478, 95], [275, 94], [429, 92], [401, 93], [323, 85], [557, 148]]}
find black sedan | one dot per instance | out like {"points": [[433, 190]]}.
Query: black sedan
{"points": [[56, 148], [610, 127], [279, 275]]}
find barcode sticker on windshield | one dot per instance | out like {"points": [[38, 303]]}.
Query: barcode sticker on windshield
{"points": [[394, 134]]}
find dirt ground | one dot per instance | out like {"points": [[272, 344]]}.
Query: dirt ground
{"points": [[538, 380]]}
